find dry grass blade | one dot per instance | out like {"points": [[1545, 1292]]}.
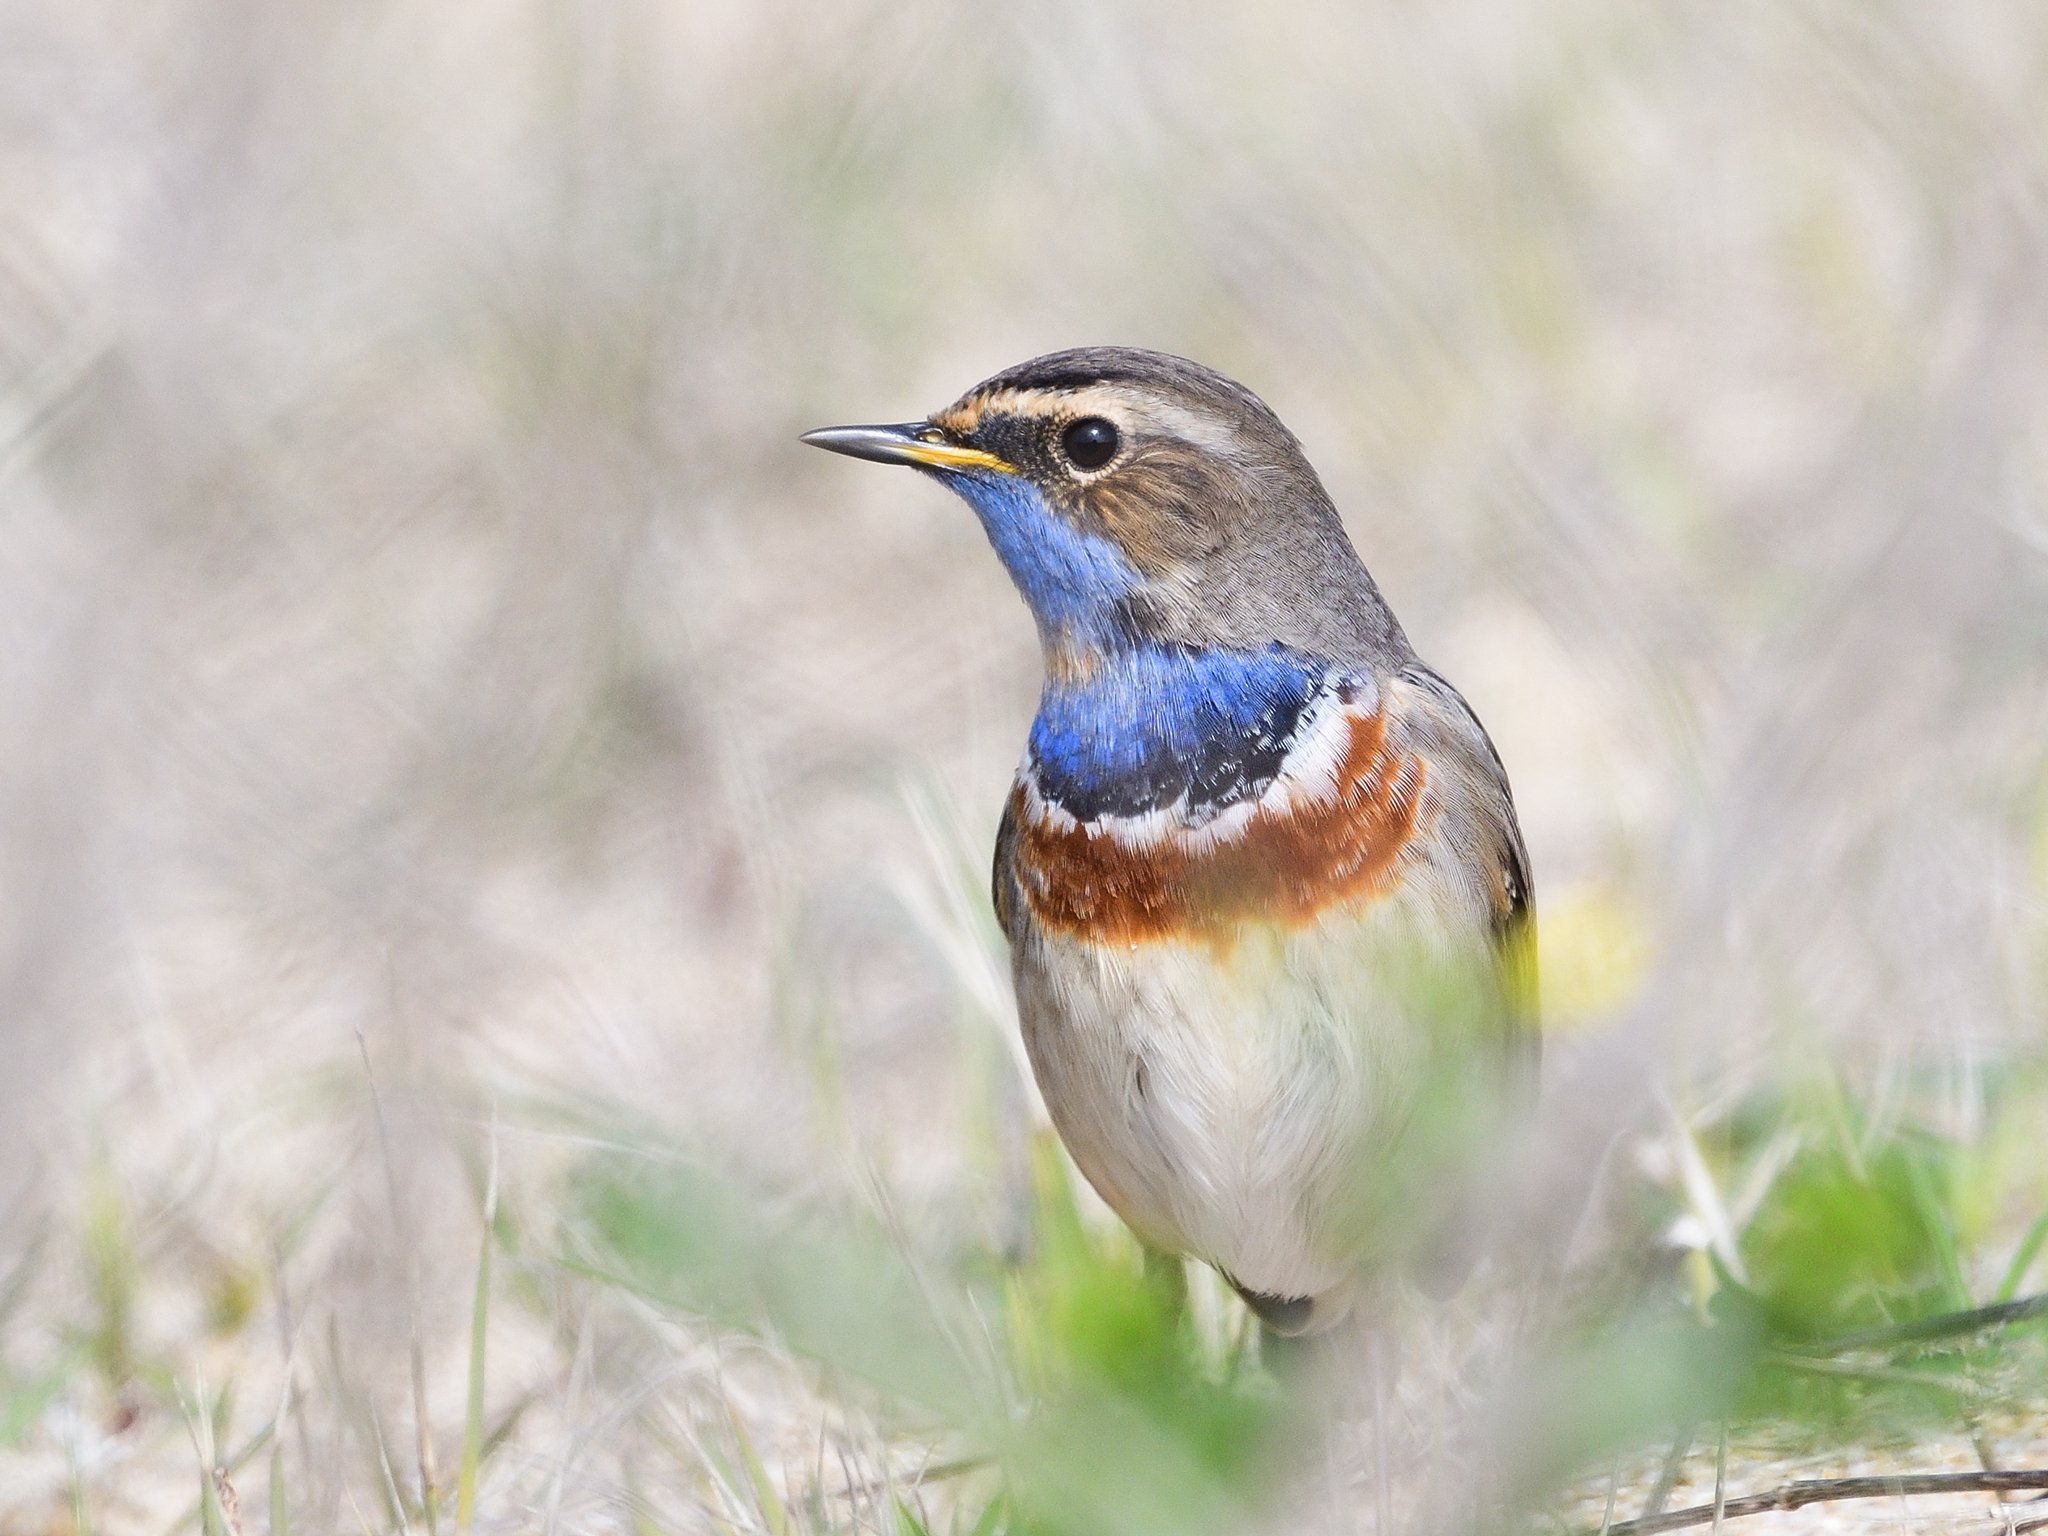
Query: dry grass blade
{"points": [[1720, 1479], [1927, 1330], [1667, 1476], [393, 1497], [1799, 1494], [408, 1243]]}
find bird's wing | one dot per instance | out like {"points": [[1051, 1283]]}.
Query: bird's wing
{"points": [[1003, 878], [1482, 820]]}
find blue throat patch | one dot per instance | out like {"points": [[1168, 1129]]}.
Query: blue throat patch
{"points": [[1156, 724], [1073, 581], [1152, 724]]}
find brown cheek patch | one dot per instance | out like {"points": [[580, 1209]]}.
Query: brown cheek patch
{"points": [[1281, 867], [1150, 506]]}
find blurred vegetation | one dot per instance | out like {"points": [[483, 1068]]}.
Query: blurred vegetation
{"points": [[1846, 1314], [1073, 1376], [430, 660]]}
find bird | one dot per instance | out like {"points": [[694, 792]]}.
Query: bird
{"points": [[1267, 900]]}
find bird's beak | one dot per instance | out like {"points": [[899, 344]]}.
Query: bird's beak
{"points": [[912, 442]]}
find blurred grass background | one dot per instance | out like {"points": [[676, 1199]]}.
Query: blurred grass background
{"points": [[431, 663]]}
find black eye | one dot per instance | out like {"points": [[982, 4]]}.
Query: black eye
{"points": [[1090, 442]]}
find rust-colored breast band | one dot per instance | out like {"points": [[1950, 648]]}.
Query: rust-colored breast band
{"points": [[1286, 865]]}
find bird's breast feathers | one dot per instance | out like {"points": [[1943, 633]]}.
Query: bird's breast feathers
{"points": [[1231, 999], [1348, 807]]}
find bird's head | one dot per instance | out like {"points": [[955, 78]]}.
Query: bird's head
{"points": [[1140, 498]]}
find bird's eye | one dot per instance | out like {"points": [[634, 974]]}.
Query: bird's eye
{"points": [[1090, 442]]}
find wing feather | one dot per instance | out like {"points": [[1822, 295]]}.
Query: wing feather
{"points": [[1458, 743]]}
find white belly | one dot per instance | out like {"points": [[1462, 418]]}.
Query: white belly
{"points": [[1235, 1104]]}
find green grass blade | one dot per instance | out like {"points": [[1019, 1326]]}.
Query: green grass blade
{"points": [[479, 1331], [234, 1464], [199, 1424], [2023, 1258], [774, 1514], [1936, 1216], [213, 1520], [81, 1506], [991, 1519], [280, 1518], [907, 1520]]}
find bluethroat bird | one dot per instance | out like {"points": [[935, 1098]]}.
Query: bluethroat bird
{"points": [[1267, 903]]}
